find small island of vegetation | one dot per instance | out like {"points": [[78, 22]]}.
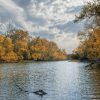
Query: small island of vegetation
{"points": [[18, 46]]}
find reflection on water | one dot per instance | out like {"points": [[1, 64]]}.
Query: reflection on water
{"points": [[60, 80]]}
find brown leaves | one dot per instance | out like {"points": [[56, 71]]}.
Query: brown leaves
{"points": [[90, 48], [90, 11], [43, 49], [19, 46]]}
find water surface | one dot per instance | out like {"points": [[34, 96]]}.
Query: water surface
{"points": [[61, 80]]}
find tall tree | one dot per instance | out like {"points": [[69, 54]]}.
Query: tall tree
{"points": [[89, 47], [17, 45], [91, 12]]}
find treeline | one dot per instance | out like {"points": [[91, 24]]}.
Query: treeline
{"points": [[89, 48], [18, 45]]}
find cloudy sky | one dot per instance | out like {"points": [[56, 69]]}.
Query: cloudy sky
{"points": [[51, 19]]}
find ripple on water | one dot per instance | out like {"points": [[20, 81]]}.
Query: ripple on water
{"points": [[60, 80]]}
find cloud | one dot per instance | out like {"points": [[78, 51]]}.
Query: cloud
{"points": [[15, 13], [52, 19], [69, 41]]}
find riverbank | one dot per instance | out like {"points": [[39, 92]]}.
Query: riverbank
{"points": [[31, 61], [90, 63]]}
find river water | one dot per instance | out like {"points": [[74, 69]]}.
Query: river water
{"points": [[61, 80]]}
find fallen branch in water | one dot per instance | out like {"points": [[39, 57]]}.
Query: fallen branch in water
{"points": [[39, 92], [93, 62], [22, 89]]}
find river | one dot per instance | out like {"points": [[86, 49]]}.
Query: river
{"points": [[60, 80]]}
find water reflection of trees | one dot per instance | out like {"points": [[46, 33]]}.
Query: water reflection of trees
{"points": [[93, 82]]}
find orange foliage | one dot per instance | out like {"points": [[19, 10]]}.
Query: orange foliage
{"points": [[2, 52], [45, 50], [21, 46], [11, 56], [8, 44], [18, 45], [2, 38], [90, 47]]}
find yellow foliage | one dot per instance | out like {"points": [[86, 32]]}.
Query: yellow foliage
{"points": [[22, 45], [39, 48], [8, 44], [2, 38], [57, 55], [43, 49], [18, 45], [2, 52], [36, 56], [90, 48], [11, 56]]}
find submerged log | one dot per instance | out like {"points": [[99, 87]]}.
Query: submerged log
{"points": [[22, 89], [39, 92], [93, 62]]}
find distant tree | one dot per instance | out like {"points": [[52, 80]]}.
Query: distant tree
{"points": [[18, 45], [42, 49]]}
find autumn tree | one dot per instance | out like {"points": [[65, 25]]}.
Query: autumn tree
{"points": [[43, 49], [90, 12], [89, 47], [54, 52], [39, 48], [18, 45], [6, 49], [2, 49], [21, 41]]}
